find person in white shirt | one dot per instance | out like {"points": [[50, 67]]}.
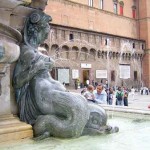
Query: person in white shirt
{"points": [[132, 93], [87, 82], [100, 95]]}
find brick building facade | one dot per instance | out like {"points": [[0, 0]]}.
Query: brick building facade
{"points": [[100, 40]]}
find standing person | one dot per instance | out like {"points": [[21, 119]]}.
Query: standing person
{"points": [[125, 98], [96, 83], [89, 93], [106, 83], [93, 83], [100, 95], [119, 96], [132, 93], [110, 96], [76, 84], [141, 91], [87, 82], [147, 91]]}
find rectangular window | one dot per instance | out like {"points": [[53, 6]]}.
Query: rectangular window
{"points": [[115, 8], [121, 10], [71, 37], [135, 75], [91, 3], [106, 41], [134, 13], [142, 46], [133, 45], [101, 4]]}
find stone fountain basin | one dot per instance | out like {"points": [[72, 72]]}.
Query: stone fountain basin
{"points": [[134, 127], [9, 44]]}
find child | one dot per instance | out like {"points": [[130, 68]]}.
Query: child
{"points": [[89, 93]]}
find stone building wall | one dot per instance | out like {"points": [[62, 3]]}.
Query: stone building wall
{"points": [[100, 51], [81, 16], [77, 14], [108, 5], [144, 26]]}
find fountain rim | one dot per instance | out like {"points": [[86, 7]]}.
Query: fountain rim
{"points": [[10, 32], [128, 111]]}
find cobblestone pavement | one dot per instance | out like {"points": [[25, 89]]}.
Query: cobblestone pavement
{"points": [[139, 101]]}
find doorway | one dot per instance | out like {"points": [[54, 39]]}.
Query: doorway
{"points": [[86, 76]]}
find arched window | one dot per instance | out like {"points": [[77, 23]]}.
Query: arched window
{"points": [[134, 12], [121, 7], [115, 6]]}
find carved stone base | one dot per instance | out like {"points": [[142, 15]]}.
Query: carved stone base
{"points": [[11, 128]]}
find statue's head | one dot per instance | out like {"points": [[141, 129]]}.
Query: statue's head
{"points": [[37, 28]]}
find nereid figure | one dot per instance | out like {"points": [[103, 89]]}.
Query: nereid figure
{"points": [[43, 102]]}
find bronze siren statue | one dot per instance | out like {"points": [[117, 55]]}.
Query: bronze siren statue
{"points": [[44, 102]]}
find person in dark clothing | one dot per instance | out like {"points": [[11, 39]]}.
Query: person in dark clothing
{"points": [[110, 96], [125, 99]]}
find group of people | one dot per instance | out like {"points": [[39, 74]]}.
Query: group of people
{"points": [[122, 96], [97, 95], [100, 95], [144, 91]]}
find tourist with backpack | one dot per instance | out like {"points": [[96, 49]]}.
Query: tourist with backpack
{"points": [[119, 97]]}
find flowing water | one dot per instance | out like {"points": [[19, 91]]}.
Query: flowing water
{"points": [[134, 134]]}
